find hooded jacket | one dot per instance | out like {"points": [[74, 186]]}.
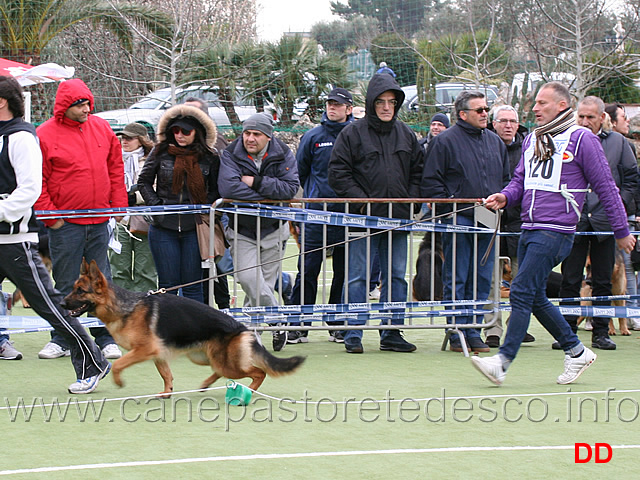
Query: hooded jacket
{"points": [[82, 164], [155, 181], [313, 155], [20, 181], [277, 179], [376, 159], [584, 164], [464, 162]]}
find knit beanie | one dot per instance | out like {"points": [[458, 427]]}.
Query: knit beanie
{"points": [[442, 118], [259, 121]]}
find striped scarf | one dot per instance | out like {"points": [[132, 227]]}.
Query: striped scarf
{"points": [[545, 148]]}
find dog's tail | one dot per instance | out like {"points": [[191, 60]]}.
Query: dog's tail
{"points": [[272, 365]]}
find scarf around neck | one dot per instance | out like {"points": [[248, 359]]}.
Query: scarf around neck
{"points": [[186, 164], [545, 147]]}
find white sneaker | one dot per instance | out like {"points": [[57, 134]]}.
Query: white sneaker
{"points": [[111, 351], [635, 324], [88, 385], [573, 367], [490, 367], [8, 352], [53, 350], [374, 294]]}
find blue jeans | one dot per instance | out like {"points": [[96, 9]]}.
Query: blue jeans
{"points": [[314, 240], [465, 271], [68, 245], [538, 252], [357, 288], [177, 258]]}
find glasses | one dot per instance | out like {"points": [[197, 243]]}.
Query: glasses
{"points": [[478, 110], [176, 130], [506, 120], [125, 137], [380, 102]]}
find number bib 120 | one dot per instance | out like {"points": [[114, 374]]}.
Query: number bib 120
{"points": [[546, 175]]}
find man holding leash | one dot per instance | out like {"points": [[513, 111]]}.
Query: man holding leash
{"points": [[560, 160], [20, 186]]}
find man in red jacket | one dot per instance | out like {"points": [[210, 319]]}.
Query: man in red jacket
{"points": [[82, 169]]}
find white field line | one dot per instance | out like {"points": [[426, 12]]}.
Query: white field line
{"points": [[280, 456], [293, 401]]}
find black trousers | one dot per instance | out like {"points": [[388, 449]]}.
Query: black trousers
{"points": [[21, 263], [602, 250]]}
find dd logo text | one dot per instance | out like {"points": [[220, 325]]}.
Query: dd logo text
{"points": [[584, 452]]}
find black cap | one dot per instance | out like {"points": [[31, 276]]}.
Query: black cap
{"points": [[341, 95], [188, 123], [79, 101]]}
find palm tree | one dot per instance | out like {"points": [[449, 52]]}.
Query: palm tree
{"points": [[27, 27], [297, 71]]}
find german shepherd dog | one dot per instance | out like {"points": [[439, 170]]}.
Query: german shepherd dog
{"points": [[618, 287], [424, 271], [159, 327]]}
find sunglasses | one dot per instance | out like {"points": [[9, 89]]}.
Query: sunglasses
{"points": [[176, 130], [478, 110]]}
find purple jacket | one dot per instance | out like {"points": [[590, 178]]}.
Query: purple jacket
{"points": [[583, 166]]}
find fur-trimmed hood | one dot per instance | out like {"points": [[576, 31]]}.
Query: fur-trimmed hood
{"points": [[178, 111]]}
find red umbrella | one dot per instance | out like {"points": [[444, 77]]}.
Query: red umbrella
{"points": [[30, 75]]}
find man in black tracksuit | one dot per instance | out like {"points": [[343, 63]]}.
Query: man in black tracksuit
{"points": [[377, 156]]}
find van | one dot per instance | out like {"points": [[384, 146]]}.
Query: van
{"points": [[533, 82], [446, 94]]}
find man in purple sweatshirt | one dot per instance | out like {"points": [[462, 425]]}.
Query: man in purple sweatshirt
{"points": [[559, 162]]}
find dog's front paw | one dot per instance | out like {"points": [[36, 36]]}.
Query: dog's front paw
{"points": [[166, 394], [118, 380]]}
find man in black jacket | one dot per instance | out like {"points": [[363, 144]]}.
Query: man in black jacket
{"points": [[377, 156], [601, 248], [466, 161]]}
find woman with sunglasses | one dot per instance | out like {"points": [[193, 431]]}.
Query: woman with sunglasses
{"points": [[181, 169], [132, 267]]}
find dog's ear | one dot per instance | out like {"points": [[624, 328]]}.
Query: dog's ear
{"points": [[98, 280], [84, 268]]}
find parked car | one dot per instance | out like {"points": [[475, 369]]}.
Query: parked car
{"points": [[446, 94], [149, 110]]}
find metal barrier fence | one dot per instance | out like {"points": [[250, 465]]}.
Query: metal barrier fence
{"points": [[425, 314], [324, 228]]}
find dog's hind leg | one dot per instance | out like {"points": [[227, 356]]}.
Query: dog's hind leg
{"points": [[210, 380], [624, 329], [257, 376], [167, 376]]}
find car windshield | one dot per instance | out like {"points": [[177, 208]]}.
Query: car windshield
{"points": [[153, 100], [448, 95]]}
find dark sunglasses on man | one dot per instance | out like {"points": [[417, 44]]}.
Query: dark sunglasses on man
{"points": [[478, 110]]}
